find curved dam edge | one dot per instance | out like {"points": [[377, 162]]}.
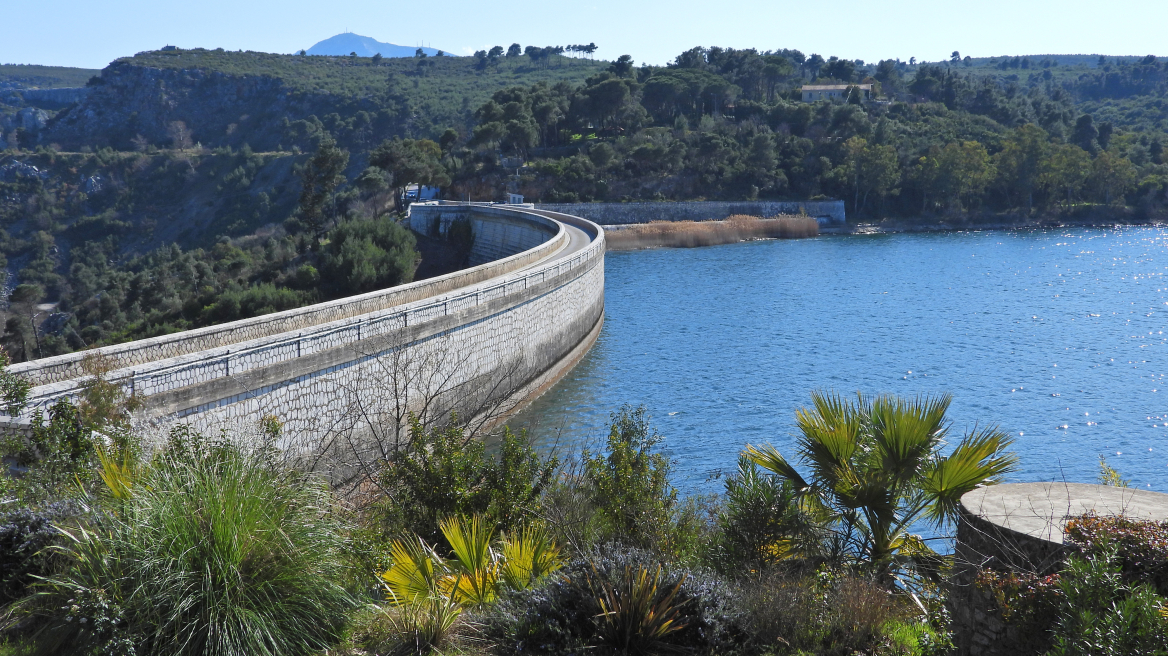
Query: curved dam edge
{"points": [[508, 257], [514, 334]]}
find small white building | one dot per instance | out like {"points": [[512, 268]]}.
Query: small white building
{"points": [[814, 92]]}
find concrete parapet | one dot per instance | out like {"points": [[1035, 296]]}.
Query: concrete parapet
{"points": [[527, 313], [143, 351], [826, 212]]}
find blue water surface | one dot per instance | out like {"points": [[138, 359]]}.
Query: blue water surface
{"points": [[1055, 335]]}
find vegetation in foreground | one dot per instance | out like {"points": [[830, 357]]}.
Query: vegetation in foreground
{"points": [[222, 545]]}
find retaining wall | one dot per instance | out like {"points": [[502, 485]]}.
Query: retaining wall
{"points": [[140, 352], [504, 324], [1018, 527], [827, 212]]}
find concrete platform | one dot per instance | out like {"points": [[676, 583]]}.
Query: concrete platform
{"points": [[1041, 510]]}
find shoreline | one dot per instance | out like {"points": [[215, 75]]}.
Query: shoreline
{"points": [[898, 226]]}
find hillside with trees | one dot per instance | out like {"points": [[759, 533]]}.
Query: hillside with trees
{"points": [[191, 187]]}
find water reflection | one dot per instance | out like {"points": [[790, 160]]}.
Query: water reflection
{"points": [[1056, 335]]}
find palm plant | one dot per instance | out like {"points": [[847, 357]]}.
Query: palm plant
{"points": [[478, 566], [474, 569], [876, 470], [528, 556]]}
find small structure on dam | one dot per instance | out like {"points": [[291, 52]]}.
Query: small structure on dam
{"points": [[490, 336], [1019, 527]]}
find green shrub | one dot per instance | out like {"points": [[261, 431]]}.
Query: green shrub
{"points": [[442, 472], [217, 551], [1141, 546], [25, 534], [760, 522], [830, 612], [630, 489], [1101, 615], [565, 615]]}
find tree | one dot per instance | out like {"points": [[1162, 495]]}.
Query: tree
{"points": [[1085, 133], [1020, 161], [377, 59], [622, 67], [1112, 175], [958, 171], [1065, 169], [367, 255], [420, 54], [21, 336], [514, 51], [876, 469], [179, 135], [870, 167], [410, 161], [319, 179], [955, 57], [494, 55]]}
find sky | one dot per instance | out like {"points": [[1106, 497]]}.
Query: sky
{"points": [[84, 34]]}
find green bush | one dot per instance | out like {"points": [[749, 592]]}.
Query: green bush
{"points": [[630, 489], [830, 612], [25, 534], [759, 521], [442, 472], [1141, 546], [369, 254], [217, 550], [565, 615], [1102, 615]]}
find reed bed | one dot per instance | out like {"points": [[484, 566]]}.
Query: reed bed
{"points": [[690, 234]]}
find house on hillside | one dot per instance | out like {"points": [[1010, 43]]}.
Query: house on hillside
{"points": [[813, 92]]}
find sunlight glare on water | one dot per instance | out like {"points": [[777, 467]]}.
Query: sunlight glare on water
{"points": [[1055, 335]]}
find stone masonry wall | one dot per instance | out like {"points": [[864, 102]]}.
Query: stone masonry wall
{"points": [[827, 212], [145, 351], [502, 332], [499, 231], [978, 627]]}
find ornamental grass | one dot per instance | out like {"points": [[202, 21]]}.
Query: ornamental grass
{"points": [[213, 550]]}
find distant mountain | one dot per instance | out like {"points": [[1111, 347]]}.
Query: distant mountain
{"points": [[344, 44]]}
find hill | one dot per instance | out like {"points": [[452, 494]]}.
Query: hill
{"points": [[171, 196], [342, 45], [236, 98], [27, 76]]}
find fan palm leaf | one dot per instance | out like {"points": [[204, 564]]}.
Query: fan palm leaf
{"points": [[415, 574], [528, 556], [875, 469], [474, 574]]}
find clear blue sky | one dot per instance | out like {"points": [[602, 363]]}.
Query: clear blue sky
{"points": [[89, 34]]}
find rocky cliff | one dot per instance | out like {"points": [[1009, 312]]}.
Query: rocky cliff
{"points": [[216, 108]]}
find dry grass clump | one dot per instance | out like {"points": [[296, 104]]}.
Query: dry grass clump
{"points": [[690, 234], [823, 613]]}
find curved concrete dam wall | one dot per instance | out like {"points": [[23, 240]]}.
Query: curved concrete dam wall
{"points": [[497, 332]]}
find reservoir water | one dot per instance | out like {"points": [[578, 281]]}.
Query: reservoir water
{"points": [[1055, 335]]}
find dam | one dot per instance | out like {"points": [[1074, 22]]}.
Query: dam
{"points": [[492, 336]]}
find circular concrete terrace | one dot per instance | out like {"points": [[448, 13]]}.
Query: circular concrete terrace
{"points": [[1041, 510]]}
